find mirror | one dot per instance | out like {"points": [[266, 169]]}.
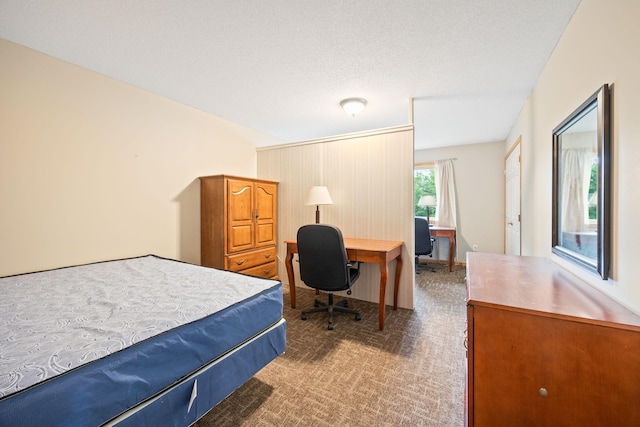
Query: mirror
{"points": [[581, 185]]}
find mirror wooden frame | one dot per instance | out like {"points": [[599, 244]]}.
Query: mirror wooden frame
{"points": [[601, 263]]}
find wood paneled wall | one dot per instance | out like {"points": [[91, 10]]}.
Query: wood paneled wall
{"points": [[370, 179]]}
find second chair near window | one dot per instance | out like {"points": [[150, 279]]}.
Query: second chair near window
{"points": [[423, 242], [324, 266]]}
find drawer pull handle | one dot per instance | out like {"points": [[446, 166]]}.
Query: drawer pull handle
{"points": [[267, 271], [240, 261], [267, 255], [543, 392]]}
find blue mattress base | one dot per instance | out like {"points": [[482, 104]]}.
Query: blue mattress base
{"points": [[253, 330], [180, 406]]}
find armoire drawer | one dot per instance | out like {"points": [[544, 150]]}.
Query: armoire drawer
{"points": [[265, 270], [245, 260]]}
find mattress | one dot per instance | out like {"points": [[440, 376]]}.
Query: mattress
{"points": [[82, 345]]}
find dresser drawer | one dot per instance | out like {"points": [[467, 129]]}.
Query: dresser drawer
{"points": [[245, 260], [265, 270]]}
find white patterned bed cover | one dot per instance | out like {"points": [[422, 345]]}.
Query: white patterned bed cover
{"points": [[54, 321]]}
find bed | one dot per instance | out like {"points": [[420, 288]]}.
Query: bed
{"points": [[131, 342]]}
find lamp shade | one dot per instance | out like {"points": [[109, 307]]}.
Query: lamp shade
{"points": [[427, 200], [318, 195]]}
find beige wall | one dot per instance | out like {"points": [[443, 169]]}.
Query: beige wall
{"points": [[479, 178], [600, 45], [94, 169], [370, 181]]}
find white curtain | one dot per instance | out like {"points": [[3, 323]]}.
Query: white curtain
{"points": [[445, 194], [576, 173]]}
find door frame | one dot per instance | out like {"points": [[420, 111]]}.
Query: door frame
{"points": [[517, 144]]}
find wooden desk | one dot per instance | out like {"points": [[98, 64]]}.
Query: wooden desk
{"points": [[449, 232], [380, 252]]}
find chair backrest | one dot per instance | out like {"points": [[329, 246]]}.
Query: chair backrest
{"points": [[422, 236], [323, 257]]}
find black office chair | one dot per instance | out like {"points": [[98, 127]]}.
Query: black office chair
{"points": [[423, 241], [324, 266]]}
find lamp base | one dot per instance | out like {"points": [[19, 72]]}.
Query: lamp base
{"points": [[317, 214]]}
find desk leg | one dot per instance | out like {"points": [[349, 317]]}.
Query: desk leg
{"points": [[384, 274], [396, 284], [452, 249], [288, 262]]}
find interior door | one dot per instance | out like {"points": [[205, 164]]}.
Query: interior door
{"points": [[512, 200]]}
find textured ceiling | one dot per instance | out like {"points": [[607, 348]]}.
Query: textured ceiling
{"points": [[282, 66]]}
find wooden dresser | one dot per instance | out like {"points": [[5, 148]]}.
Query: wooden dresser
{"points": [[547, 349], [238, 218]]}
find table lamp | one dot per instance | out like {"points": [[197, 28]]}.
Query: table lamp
{"points": [[427, 200], [318, 195]]}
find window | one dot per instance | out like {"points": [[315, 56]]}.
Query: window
{"points": [[424, 184]]}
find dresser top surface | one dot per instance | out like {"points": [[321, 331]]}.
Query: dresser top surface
{"points": [[535, 284]]}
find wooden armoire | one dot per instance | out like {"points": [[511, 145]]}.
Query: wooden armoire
{"points": [[238, 219]]}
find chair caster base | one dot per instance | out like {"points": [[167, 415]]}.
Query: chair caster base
{"points": [[339, 307]]}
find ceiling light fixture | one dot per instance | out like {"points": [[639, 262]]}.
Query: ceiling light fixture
{"points": [[353, 106]]}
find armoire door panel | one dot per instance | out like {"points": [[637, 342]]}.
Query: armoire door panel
{"points": [[265, 197], [240, 201], [240, 238], [239, 215], [265, 234], [266, 202]]}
